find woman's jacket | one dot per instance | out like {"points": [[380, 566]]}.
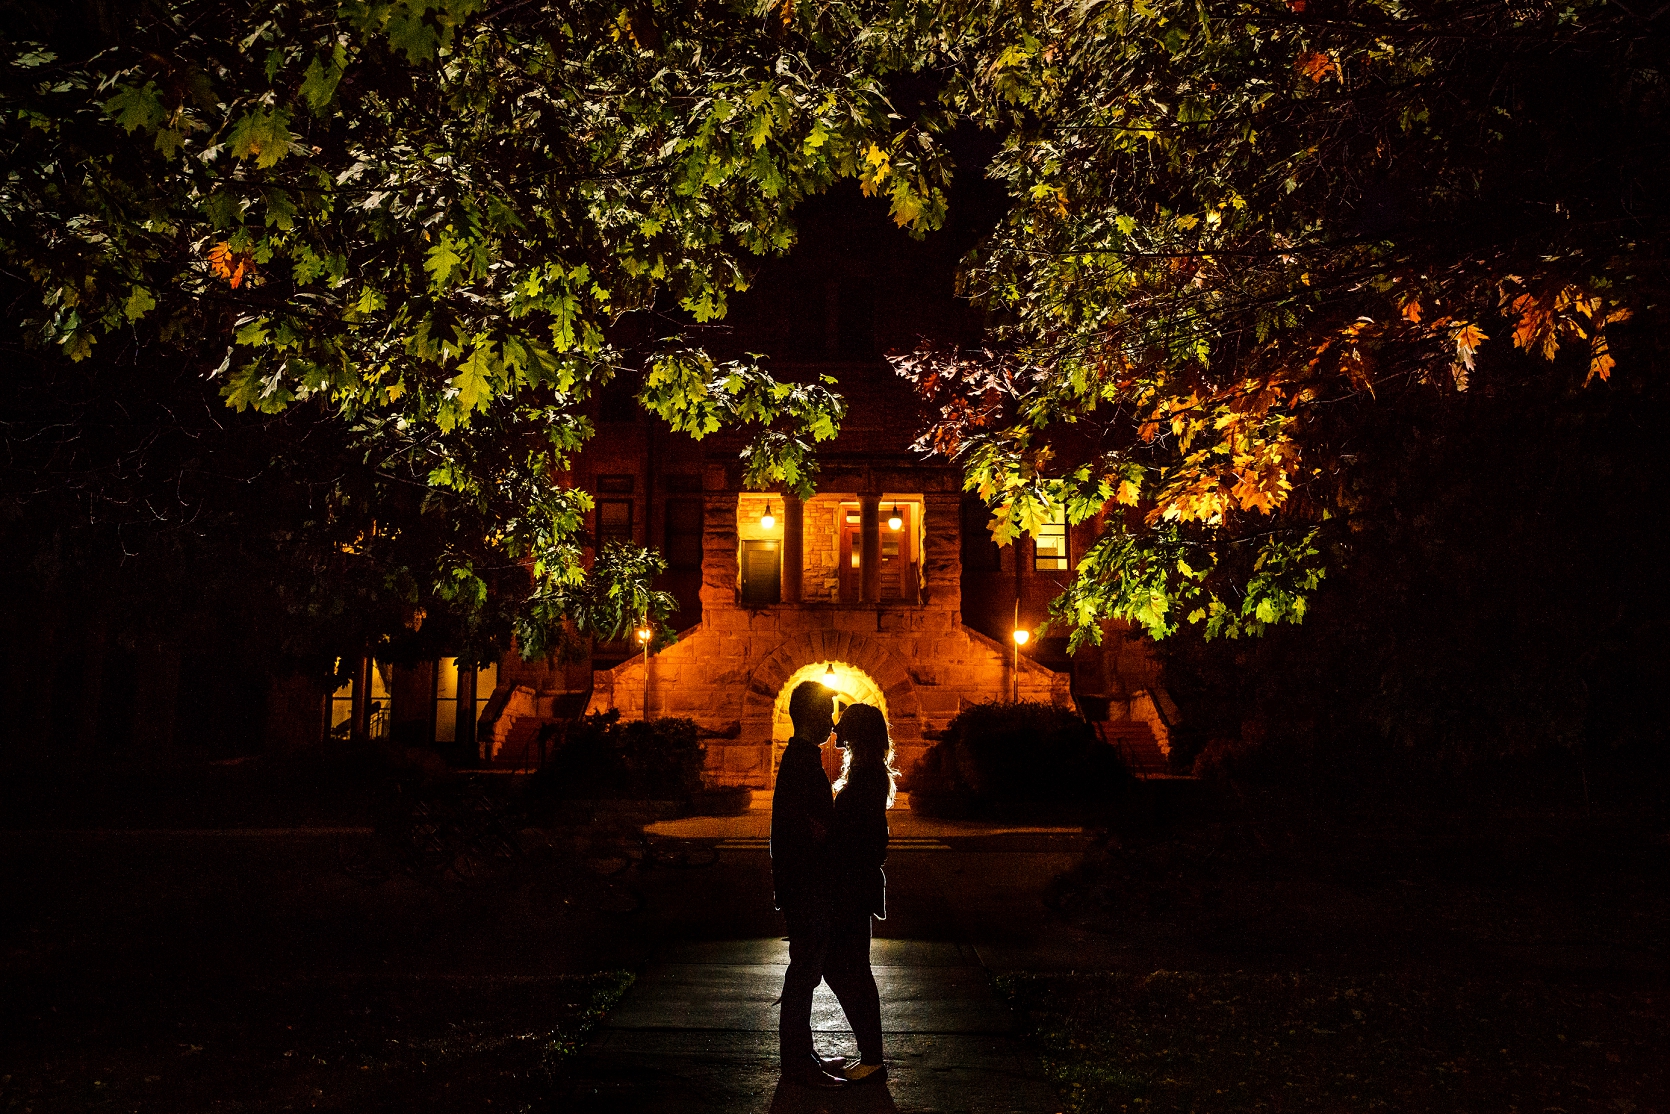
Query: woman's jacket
{"points": [[858, 843]]}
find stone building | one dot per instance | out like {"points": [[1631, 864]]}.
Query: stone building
{"points": [[885, 583]]}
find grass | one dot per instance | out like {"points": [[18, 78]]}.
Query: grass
{"points": [[1188, 1042], [362, 1045]]}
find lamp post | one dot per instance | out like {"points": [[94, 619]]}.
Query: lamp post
{"points": [[644, 635], [1015, 676]]}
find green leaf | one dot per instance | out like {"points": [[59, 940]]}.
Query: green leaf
{"points": [[139, 303], [262, 134], [442, 261], [252, 333], [409, 34], [474, 381], [319, 82], [135, 108]]}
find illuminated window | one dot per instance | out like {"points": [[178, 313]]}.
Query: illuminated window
{"points": [[1049, 552], [377, 715], [342, 707], [377, 710], [446, 700]]}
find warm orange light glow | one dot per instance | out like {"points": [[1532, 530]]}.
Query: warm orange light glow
{"points": [[829, 676], [894, 521], [768, 521], [1021, 636], [644, 634]]}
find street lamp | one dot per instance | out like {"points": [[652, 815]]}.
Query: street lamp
{"points": [[644, 635], [1021, 635]]}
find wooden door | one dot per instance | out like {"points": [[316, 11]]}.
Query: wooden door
{"points": [[898, 558], [851, 558]]}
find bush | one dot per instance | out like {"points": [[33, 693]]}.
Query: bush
{"points": [[598, 757], [993, 754]]}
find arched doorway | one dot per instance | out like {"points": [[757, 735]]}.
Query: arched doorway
{"points": [[850, 684]]}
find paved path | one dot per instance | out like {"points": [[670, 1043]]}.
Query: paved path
{"points": [[699, 1033]]}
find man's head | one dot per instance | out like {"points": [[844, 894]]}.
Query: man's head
{"points": [[812, 710]]}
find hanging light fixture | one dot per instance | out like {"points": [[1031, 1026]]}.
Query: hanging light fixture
{"points": [[829, 676], [768, 521], [893, 520]]}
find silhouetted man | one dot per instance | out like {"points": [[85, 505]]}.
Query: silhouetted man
{"points": [[802, 812]]}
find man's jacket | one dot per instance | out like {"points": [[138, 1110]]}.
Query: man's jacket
{"points": [[802, 814]]}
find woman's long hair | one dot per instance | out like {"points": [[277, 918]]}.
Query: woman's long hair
{"points": [[868, 746]]}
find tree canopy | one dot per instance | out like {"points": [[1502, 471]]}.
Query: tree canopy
{"points": [[422, 218], [1233, 224]]}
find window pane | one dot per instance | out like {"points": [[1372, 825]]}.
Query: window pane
{"points": [[342, 706], [760, 573], [486, 680], [446, 679], [1050, 547]]}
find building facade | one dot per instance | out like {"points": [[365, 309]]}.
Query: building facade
{"points": [[884, 584]]}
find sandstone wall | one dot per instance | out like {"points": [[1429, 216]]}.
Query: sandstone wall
{"points": [[727, 673]]}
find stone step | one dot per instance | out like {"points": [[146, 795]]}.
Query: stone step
{"points": [[520, 746], [1136, 744]]}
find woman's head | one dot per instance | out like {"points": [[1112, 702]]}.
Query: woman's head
{"points": [[862, 733]]}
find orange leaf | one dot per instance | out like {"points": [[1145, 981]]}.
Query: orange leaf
{"points": [[1601, 362], [230, 265], [1467, 341], [220, 257], [1316, 66]]}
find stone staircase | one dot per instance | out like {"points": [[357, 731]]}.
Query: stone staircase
{"points": [[524, 714], [1136, 744]]}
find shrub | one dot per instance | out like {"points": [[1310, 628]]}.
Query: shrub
{"points": [[599, 757], [1027, 752]]}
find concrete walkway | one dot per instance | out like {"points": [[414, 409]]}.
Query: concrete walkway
{"points": [[699, 1033]]}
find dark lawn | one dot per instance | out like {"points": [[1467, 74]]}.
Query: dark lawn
{"points": [[1279, 958], [368, 1044], [1172, 1041]]}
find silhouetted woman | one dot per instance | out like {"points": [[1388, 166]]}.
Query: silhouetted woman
{"points": [[857, 849]]}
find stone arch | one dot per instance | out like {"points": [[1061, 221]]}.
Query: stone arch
{"points": [[859, 652], [852, 686]]}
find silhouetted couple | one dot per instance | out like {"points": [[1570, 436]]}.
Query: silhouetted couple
{"points": [[827, 849]]}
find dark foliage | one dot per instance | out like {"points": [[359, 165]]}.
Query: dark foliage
{"points": [[1493, 617], [600, 757], [1001, 753]]}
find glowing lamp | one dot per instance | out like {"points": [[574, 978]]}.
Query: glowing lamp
{"points": [[644, 634], [768, 520], [893, 520], [1021, 636], [829, 676]]}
